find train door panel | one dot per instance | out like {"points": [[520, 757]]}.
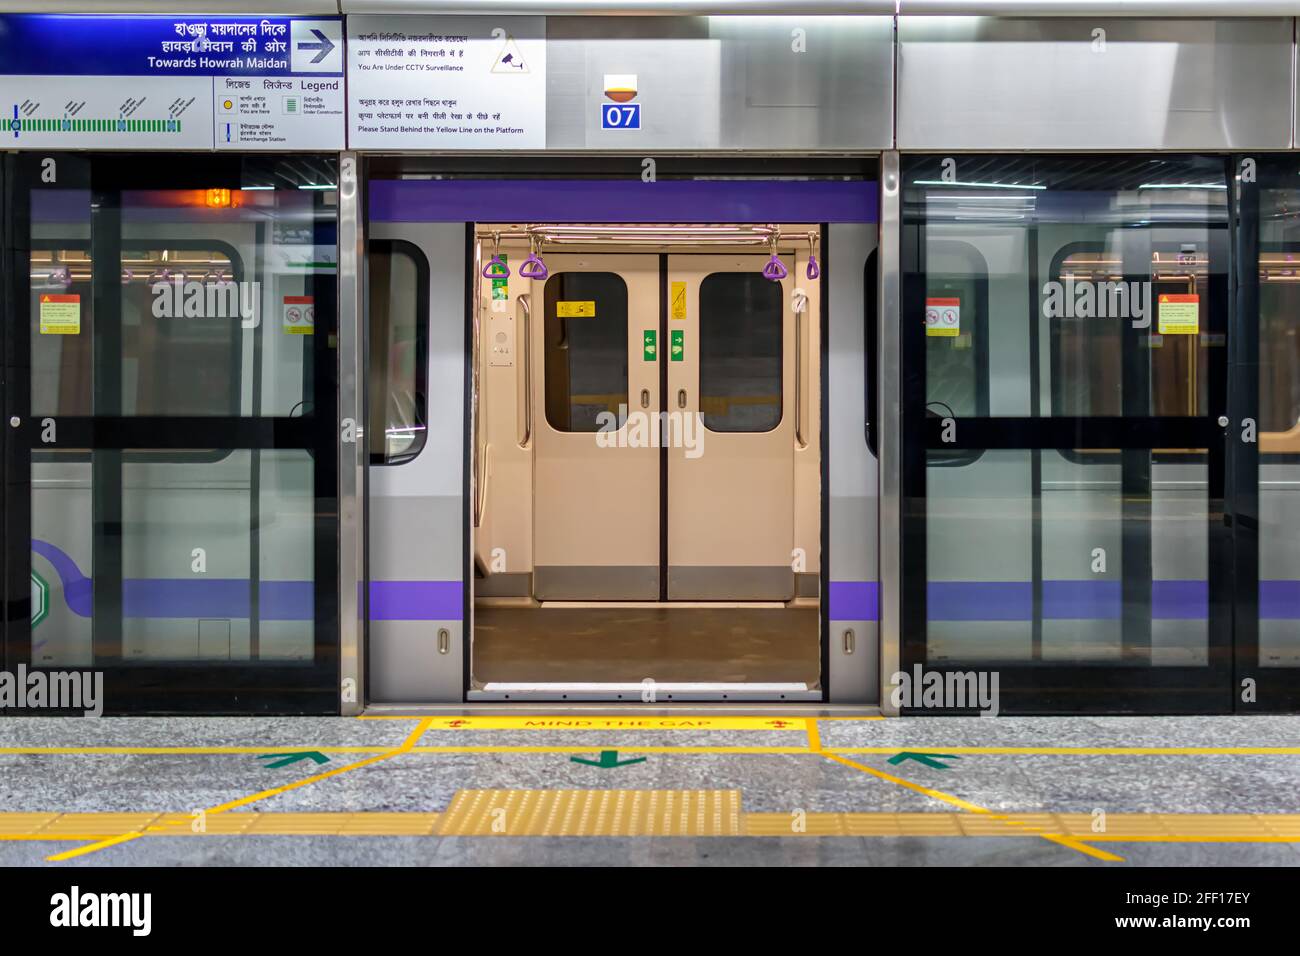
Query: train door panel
{"points": [[732, 414], [595, 394]]}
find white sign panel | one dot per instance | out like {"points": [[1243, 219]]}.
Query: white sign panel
{"points": [[446, 82]]}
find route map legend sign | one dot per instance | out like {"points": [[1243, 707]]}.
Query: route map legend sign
{"points": [[149, 82]]}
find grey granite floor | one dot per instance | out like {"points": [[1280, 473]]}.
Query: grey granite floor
{"points": [[420, 780]]}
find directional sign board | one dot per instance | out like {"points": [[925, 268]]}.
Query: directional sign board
{"points": [[243, 83]]}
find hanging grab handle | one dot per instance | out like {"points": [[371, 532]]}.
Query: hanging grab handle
{"points": [[814, 271], [496, 267], [775, 269], [533, 267]]}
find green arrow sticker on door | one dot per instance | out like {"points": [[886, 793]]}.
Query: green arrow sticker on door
{"points": [[677, 345], [649, 344]]}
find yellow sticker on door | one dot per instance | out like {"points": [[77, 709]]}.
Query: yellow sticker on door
{"points": [[1179, 314], [575, 310], [679, 300], [60, 314]]}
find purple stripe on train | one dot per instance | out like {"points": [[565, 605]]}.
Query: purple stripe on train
{"points": [[849, 600], [621, 200]]}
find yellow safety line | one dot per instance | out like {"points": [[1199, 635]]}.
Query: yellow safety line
{"points": [[973, 808], [669, 748], [814, 735], [407, 744], [1085, 751], [648, 813]]}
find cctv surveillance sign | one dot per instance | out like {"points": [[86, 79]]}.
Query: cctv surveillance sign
{"points": [[120, 82]]}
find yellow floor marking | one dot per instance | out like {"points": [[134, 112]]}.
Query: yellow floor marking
{"points": [[814, 735], [1085, 751], [969, 807], [175, 825], [608, 813], [630, 722], [593, 813], [670, 748]]}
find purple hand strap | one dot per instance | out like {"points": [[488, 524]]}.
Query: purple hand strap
{"points": [[814, 270], [496, 269], [775, 269], [533, 267]]}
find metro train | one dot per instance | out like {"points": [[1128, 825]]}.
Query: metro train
{"points": [[856, 358]]}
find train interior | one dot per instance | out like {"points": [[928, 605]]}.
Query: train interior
{"points": [[646, 460]]}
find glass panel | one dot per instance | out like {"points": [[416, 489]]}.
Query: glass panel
{"points": [[1070, 287], [586, 349], [221, 295], [982, 602], [1279, 418], [741, 317], [217, 560], [399, 277]]}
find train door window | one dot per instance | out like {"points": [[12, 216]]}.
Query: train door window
{"points": [[62, 360], [740, 352], [182, 329], [399, 321], [586, 349], [1086, 379]]}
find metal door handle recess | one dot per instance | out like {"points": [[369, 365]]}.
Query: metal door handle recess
{"points": [[444, 640], [798, 376], [645, 398], [681, 398], [849, 641], [526, 310]]}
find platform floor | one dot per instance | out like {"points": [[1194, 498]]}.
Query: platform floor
{"points": [[650, 787]]}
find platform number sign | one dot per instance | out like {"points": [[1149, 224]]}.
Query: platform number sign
{"points": [[40, 599], [620, 116]]}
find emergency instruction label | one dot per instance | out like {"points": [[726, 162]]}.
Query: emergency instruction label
{"points": [[153, 82], [446, 82]]}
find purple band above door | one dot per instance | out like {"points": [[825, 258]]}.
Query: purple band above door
{"points": [[622, 200]]}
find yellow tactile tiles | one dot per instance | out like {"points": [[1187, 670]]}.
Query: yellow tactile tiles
{"points": [[593, 813], [642, 813]]}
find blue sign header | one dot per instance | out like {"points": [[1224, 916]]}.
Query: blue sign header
{"points": [[60, 45]]}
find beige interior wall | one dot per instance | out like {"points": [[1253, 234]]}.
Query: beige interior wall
{"points": [[507, 517], [504, 439]]}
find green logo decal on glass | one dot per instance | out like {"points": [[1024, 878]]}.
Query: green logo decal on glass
{"points": [[649, 345], [677, 345]]}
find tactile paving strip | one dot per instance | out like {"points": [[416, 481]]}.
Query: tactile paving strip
{"points": [[593, 813]]}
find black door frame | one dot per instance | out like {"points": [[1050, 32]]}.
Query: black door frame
{"points": [[213, 687]]}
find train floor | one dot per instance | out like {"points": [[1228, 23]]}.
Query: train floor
{"points": [[630, 643], [650, 787]]}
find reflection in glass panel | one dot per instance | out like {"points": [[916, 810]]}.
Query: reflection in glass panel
{"points": [[62, 330], [740, 352], [981, 598], [586, 349], [1113, 271], [1279, 419], [253, 600]]}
